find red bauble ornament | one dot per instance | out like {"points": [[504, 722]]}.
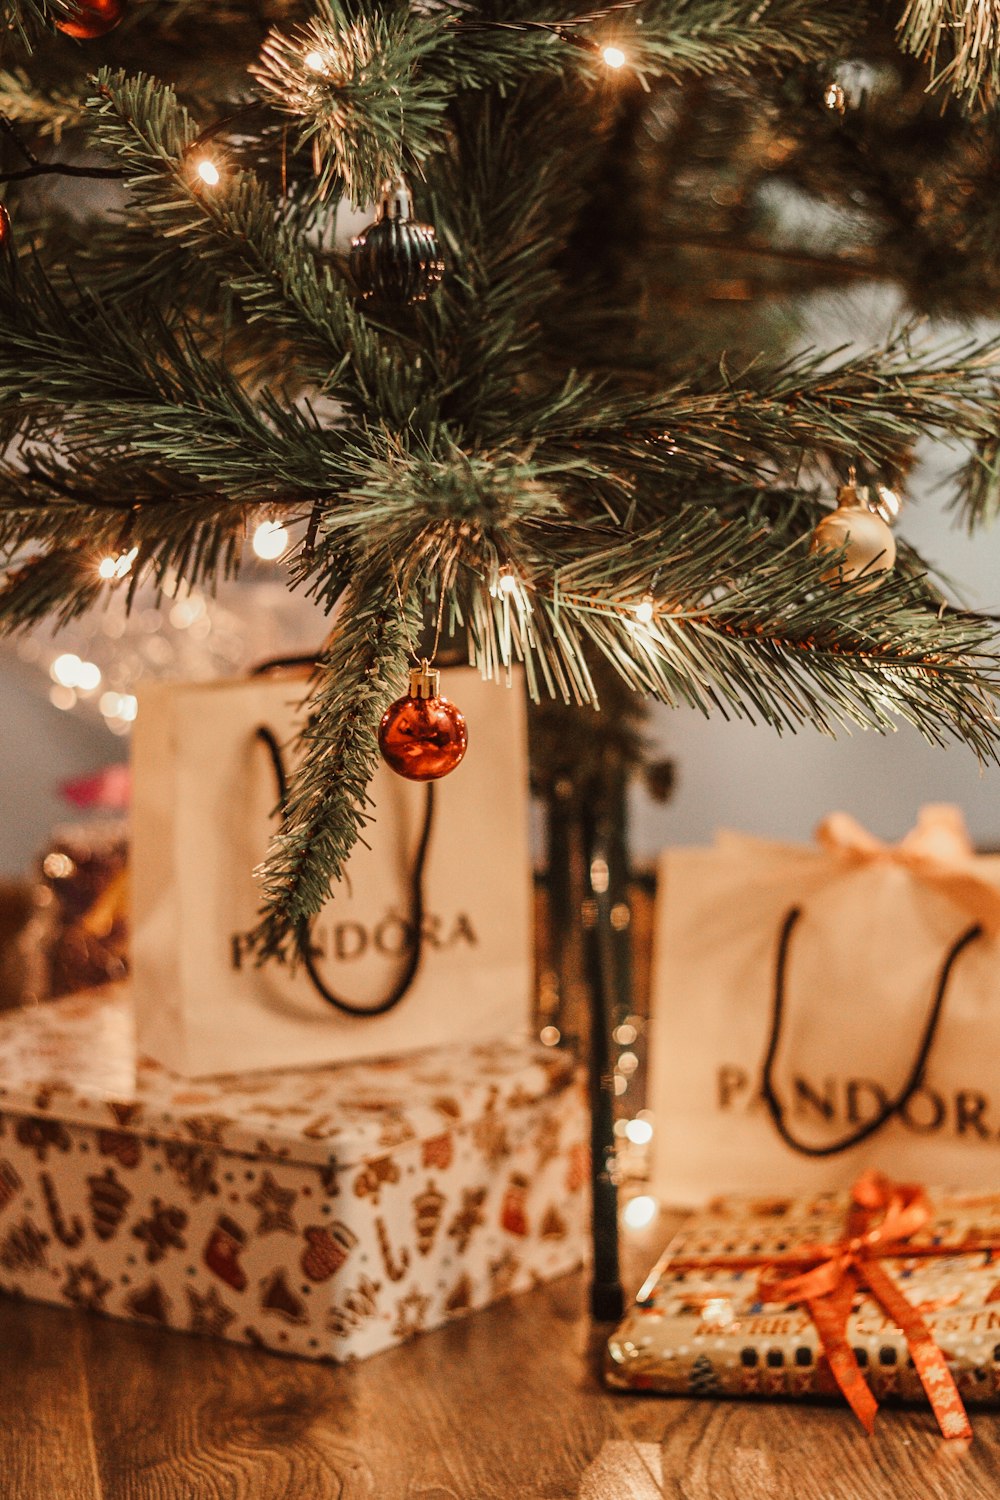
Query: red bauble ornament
{"points": [[423, 736], [92, 18]]}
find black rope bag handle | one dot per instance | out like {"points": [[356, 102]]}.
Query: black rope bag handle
{"points": [[853, 1138], [303, 935]]}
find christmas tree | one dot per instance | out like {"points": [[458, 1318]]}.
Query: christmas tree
{"points": [[542, 407]]}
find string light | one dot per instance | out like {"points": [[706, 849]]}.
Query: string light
{"points": [[315, 62], [639, 1132], [550, 1036], [644, 610], [834, 97], [121, 706], [639, 1212], [70, 672], [888, 502], [270, 540], [64, 669], [614, 57], [507, 583], [208, 172], [117, 567]]}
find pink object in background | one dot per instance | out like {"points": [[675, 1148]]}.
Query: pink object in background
{"points": [[108, 789]]}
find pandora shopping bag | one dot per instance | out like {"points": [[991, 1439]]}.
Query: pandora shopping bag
{"points": [[818, 1010], [204, 794]]}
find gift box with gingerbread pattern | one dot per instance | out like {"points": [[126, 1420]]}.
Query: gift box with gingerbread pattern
{"points": [[328, 1212]]}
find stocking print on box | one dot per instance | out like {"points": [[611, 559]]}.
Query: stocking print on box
{"points": [[204, 801]]}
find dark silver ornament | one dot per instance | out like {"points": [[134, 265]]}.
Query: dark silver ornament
{"points": [[397, 259]]}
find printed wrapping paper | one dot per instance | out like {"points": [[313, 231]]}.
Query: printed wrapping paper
{"points": [[329, 1212], [700, 1327]]}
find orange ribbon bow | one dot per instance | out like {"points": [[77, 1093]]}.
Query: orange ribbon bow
{"points": [[882, 1217], [937, 851], [825, 1277]]}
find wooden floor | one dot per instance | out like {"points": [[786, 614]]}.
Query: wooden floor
{"points": [[506, 1404]]}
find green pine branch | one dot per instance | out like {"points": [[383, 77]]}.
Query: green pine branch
{"points": [[960, 42], [327, 811]]}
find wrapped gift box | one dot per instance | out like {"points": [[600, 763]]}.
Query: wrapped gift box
{"points": [[699, 1326], [327, 1212]]}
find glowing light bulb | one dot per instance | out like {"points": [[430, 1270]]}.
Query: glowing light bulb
{"points": [[640, 1211], [644, 610], [208, 172], [834, 97], [550, 1036], [270, 540], [639, 1132], [315, 62], [118, 567], [507, 583], [88, 676], [66, 669], [614, 57], [888, 502]]}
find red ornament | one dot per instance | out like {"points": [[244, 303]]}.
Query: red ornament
{"points": [[92, 18], [423, 736]]}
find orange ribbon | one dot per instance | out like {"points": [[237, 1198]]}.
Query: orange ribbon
{"points": [[882, 1217]]}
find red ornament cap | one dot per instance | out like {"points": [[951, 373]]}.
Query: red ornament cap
{"points": [[423, 736], [89, 19]]}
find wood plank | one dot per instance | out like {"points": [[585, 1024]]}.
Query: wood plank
{"points": [[175, 1415], [46, 1440], [506, 1405], [744, 1450]]}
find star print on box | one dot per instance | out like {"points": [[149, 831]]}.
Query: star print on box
{"points": [[411, 1315], [327, 1213], [274, 1207], [85, 1286], [209, 1314]]}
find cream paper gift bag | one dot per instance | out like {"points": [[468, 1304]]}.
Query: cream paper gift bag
{"points": [[841, 998], [204, 796]]}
